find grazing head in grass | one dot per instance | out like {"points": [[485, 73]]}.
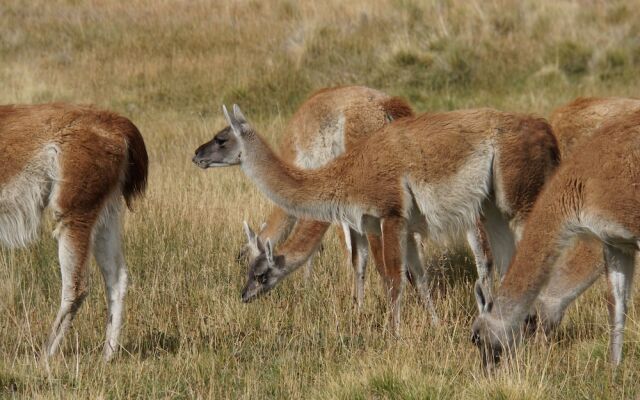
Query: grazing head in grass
{"points": [[490, 339], [265, 270]]}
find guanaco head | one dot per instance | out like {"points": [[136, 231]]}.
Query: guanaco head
{"points": [[265, 269], [221, 151], [489, 333], [225, 149]]}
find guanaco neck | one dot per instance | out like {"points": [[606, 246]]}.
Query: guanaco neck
{"points": [[545, 236], [299, 192], [302, 243]]}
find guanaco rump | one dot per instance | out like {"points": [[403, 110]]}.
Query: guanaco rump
{"points": [[595, 193], [79, 162], [433, 174], [578, 267], [331, 121]]}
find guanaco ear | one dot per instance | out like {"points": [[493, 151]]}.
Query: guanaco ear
{"points": [[269, 252], [237, 122], [227, 116], [253, 241], [483, 298], [235, 126], [251, 236], [237, 113]]}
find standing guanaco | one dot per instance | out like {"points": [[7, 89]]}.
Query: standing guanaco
{"points": [[80, 162]]}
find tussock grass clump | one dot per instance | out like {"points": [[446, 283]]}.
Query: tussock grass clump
{"points": [[573, 58], [168, 66]]}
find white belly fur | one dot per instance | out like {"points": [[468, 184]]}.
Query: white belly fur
{"points": [[23, 199], [453, 205]]}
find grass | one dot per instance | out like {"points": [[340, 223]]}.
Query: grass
{"points": [[168, 66]]}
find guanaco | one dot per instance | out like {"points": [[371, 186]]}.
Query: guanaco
{"points": [[79, 162], [595, 194], [578, 267]]}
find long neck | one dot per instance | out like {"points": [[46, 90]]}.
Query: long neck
{"points": [[278, 226], [302, 243], [299, 192], [545, 237]]}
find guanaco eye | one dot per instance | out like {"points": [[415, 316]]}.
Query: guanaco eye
{"points": [[220, 141], [262, 279], [475, 338]]}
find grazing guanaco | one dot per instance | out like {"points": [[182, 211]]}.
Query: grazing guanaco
{"points": [[582, 264], [595, 193], [433, 174], [79, 162]]}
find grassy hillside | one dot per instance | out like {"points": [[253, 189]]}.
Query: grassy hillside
{"points": [[168, 65]]}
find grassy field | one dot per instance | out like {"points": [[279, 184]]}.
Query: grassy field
{"points": [[168, 65]]}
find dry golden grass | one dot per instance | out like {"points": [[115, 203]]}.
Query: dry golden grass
{"points": [[168, 65]]}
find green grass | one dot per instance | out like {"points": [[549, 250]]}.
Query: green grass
{"points": [[168, 66]]}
